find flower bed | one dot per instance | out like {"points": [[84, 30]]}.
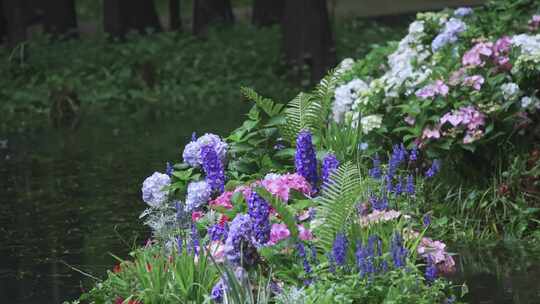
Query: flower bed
{"points": [[302, 204]]}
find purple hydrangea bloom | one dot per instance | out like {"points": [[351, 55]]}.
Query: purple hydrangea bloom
{"points": [[463, 11], [198, 194], [434, 169], [238, 246], [152, 190], [259, 212], [449, 34], [339, 249], [329, 165], [192, 152], [399, 252], [305, 159], [215, 175]]}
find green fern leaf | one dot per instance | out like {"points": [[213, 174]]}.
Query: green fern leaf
{"points": [[337, 203], [270, 107]]}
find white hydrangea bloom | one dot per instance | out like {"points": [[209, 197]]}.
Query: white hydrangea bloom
{"points": [[529, 44], [344, 66], [344, 96], [529, 102], [192, 151], [198, 193], [152, 189], [370, 122], [510, 91]]}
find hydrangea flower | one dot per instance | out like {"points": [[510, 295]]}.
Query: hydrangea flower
{"points": [[198, 193], [370, 122], [449, 34], [534, 23], [463, 11], [510, 91], [379, 216], [281, 185], [152, 189], [238, 246], [215, 175], [344, 96], [431, 133], [475, 56], [192, 152], [475, 81], [329, 165], [305, 159], [278, 232], [223, 200], [439, 88]]}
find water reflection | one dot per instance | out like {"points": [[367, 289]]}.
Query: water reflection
{"points": [[73, 198]]}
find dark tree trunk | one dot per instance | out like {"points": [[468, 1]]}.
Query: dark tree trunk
{"points": [[206, 12], [122, 16], [60, 18], [267, 12], [14, 14], [2, 24], [307, 36], [175, 21]]}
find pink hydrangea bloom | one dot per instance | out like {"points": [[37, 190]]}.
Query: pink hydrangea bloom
{"points": [[436, 250], [432, 90], [475, 81], [453, 118], [197, 215], [431, 133], [457, 77], [534, 23], [473, 57], [473, 118], [304, 234], [501, 49], [281, 185], [278, 232], [224, 200]]}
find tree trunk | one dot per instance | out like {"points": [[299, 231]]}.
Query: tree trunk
{"points": [[175, 21], [60, 18], [2, 24], [121, 16], [307, 36], [206, 12], [14, 14], [267, 12]]}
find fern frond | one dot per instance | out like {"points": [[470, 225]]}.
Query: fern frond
{"points": [[302, 113], [337, 203], [270, 107]]}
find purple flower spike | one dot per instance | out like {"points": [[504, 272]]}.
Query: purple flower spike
{"points": [[215, 175], [259, 212], [305, 158], [339, 249], [329, 165]]}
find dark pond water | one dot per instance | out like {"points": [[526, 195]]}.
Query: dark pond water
{"points": [[73, 197]]}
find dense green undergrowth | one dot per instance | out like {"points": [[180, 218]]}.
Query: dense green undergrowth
{"points": [[161, 74]]}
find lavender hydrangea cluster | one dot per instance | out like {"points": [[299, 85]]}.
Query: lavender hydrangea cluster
{"points": [[213, 168], [463, 12], [449, 34], [153, 192], [259, 212], [192, 152], [339, 249], [238, 247], [305, 159], [329, 165], [198, 194]]}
